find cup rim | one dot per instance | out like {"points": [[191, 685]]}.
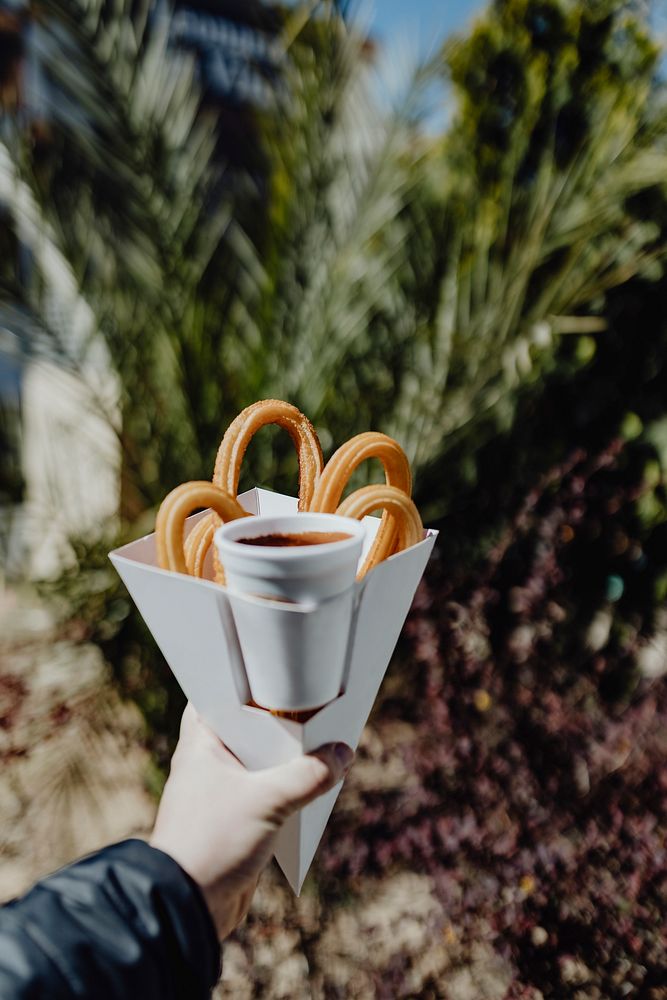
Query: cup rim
{"points": [[249, 527]]}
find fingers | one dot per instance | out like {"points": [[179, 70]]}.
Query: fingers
{"points": [[195, 735], [291, 786], [280, 790]]}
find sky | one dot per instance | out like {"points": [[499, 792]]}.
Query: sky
{"points": [[424, 21], [411, 30]]}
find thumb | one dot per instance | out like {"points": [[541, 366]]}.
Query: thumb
{"points": [[290, 786]]}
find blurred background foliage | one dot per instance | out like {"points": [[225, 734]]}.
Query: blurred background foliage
{"points": [[493, 296], [427, 278]]}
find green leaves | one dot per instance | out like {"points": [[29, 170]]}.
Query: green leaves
{"points": [[535, 234], [372, 275]]}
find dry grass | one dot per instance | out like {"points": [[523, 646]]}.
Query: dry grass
{"points": [[73, 767]]}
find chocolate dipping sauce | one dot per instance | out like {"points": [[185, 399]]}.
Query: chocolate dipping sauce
{"points": [[296, 538]]}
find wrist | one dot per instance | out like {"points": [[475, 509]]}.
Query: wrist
{"points": [[225, 908]]}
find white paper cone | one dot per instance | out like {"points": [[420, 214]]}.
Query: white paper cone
{"points": [[193, 624]]}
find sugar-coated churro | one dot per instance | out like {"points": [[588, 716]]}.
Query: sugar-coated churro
{"points": [[197, 544], [320, 489], [339, 468], [176, 507], [241, 431], [398, 503], [230, 458]]}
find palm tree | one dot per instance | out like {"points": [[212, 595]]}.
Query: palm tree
{"points": [[536, 211], [375, 271], [116, 209]]}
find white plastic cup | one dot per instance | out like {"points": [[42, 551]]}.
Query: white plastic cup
{"points": [[292, 606], [299, 573]]}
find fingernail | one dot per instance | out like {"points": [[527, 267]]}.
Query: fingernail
{"points": [[344, 756]]}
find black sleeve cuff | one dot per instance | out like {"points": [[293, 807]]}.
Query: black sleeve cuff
{"points": [[124, 922]]}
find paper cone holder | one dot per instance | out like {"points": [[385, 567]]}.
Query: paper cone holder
{"points": [[193, 623]]}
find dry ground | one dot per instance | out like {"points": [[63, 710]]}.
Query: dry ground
{"points": [[73, 769]]}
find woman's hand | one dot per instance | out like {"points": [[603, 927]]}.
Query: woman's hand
{"points": [[219, 821]]}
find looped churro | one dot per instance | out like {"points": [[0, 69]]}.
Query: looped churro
{"points": [[230, 457], [176, 507], [197, 544], [341, 465], [319, 489], [395, 501], [241, 431]]}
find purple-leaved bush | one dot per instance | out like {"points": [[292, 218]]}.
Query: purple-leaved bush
{"points": [[540, 752]]}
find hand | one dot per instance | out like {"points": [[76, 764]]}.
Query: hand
{"points": [[219, 821]]}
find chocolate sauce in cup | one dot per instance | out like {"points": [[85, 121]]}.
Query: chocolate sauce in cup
{"points": [[294, 557], [277, 540]]}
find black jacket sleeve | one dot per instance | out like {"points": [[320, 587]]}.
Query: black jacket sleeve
{"points": [[126, 922]]}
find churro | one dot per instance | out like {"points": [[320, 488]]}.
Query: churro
{"points": [[395, 501], [337, 472], [197, 544], [176, 507], [241, 431], [320, 489], [230, 458]]}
